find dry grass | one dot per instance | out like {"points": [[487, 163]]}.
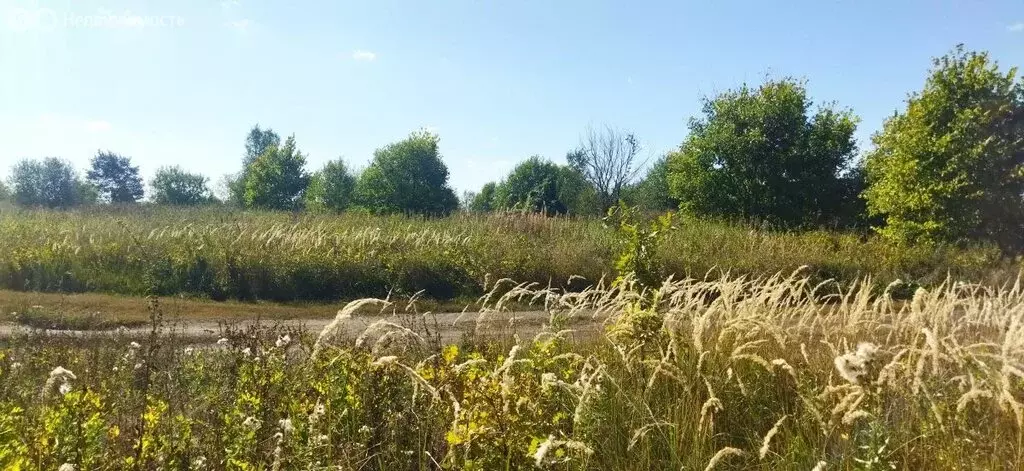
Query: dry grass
{"points": [[732, 373]]}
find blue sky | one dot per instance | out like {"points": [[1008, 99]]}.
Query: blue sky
{"points": [[181, 82]]}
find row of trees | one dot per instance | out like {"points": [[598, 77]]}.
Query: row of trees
{"points": [[950, 167]]}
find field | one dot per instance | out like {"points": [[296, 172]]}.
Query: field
{"points": [[859, 355], [220, 254], [731, 373]]}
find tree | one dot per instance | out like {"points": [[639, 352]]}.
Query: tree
{"points": [[758, 154], [652, 193], [50, 183], [277, 178], [330, 189], [5, 193], [483, 202], [256, 144], [608, 159], [115, 178], [407, 176], [951, 166], [539, 185], [174, 186]]}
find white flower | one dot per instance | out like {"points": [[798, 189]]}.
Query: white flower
{"points": [[67, 467], [134, 346], [247, 351], [64, 388], [320, 439], [223, 341], [317, 413], [283, 341], [286, 426], [867, 350], [542, 450], [251, 423], [15, 366], [364, 429], [386, 360]]}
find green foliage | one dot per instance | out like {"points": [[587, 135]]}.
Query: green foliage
{"points": [[277, 179], [330, 189], [538, 185], [652, 193], [174, 186], [116, 179], [5, 193], [638, 257], [483, 202], [408, 177], [951, 166], [758, 154], [256, 144], [49, 183]]}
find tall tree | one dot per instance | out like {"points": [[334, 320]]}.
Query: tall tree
{"points": [[174, 186], [50, 183], [483, 202], [330, 189], [760, 154], [256, 144], [609, 159], [115, 177], [277, 178], [951, 166], [652, 192], [407, 176]]}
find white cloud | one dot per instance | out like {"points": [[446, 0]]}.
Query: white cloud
{"points": [[1016, 27], [97, 126], [363, 55]]}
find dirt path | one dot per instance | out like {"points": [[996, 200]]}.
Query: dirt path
{"points": [[451, 326]]}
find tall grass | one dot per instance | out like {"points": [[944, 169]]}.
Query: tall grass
{"points": [[732, 373], [281, 256]]}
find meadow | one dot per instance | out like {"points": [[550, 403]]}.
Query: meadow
{"points": [[726, 373], [220, 254]]}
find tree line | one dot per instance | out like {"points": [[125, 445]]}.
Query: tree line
{"points": [[948, 167]]}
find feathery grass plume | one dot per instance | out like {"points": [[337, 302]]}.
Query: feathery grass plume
{"points": [[641, 432], [767, 441], [67, 467], [781, 364], [722, 455], [820, 466], [331, 330], [852, 416], [973, 395]]}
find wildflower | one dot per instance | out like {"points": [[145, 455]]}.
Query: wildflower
{"points": [[15, 366], [223, 341], [286, 426], [364, 429], [134, 346], [251, 423], [852, 366], [67, 467], [386, 360], [318, 412], [60, 377], [320, 439], [283, 341], [542, 450]]}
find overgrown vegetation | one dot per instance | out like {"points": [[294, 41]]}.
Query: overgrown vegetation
{"points": [[221, 254], [720, 374]]}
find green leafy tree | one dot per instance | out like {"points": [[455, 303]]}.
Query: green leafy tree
{"points": [[277, 179], [652, 193], [49, 183], [330, 189], [174, 186], [256, 144], [407, 177], [116, 179], [5, 193], [483, 202], [539, 185], [951, 166], [760, 154]]}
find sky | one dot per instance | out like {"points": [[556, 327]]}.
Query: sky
{"points": [[181, 82]]}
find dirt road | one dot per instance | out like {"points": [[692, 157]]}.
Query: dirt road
{"points": [[451, 326]]}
